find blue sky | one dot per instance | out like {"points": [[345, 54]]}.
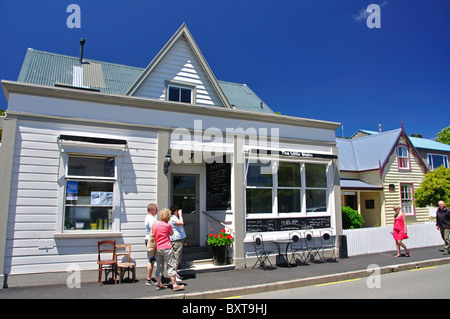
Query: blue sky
{"points": [[307, 58]]}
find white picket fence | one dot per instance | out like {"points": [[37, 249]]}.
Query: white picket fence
{"points": [[372, 240]]}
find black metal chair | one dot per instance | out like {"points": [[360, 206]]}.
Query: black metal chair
{"points": [[328, 242], [312, 246], [262, 254], [298, 248]]}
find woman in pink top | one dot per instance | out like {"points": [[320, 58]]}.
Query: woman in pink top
{"points": [[400, 231], [163, 252]]}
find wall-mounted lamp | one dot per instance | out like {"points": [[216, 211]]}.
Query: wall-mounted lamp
{"points": [[167, 160]]}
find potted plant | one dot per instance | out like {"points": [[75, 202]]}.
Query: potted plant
{"points": [[220, 244]]}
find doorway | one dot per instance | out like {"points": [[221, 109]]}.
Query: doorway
{"points": [[184, 194]]}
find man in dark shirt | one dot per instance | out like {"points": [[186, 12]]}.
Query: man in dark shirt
{"points": [[443, 224]]}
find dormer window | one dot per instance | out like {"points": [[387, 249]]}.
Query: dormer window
{"points": [[403, 157], [179, 93]]}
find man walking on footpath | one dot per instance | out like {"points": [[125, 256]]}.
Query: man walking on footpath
{"points": [[152, 210], [443, 224]]}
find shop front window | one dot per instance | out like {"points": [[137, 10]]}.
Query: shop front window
{"points": [[293, 188], [289, 191], [259, 189], [316, 187], [89, 193]]}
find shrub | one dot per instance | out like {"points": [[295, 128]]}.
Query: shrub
{"points": [[434, 187], [351, 218]]}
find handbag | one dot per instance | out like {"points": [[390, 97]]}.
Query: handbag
{"points": [[151, 244]]}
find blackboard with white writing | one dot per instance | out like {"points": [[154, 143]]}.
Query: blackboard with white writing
{"points": [[282, 224], [218, 186]]}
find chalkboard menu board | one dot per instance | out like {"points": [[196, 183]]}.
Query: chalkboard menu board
{"points": [[218, 186], [280, 224]]}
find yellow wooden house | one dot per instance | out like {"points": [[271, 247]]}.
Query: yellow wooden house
{"points": [[379, 171]]}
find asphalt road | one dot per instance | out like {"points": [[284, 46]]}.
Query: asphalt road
{"points": [[423, 283]]}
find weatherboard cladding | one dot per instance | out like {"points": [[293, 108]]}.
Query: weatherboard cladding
{"points": [[396, 177], [36, 167], [179, 65]]}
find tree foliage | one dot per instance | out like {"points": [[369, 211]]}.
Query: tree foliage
{"points": [[444, 136], [351, 218], [434, 187]]}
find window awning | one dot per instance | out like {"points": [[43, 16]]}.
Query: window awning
{"points": [[96, 140]]}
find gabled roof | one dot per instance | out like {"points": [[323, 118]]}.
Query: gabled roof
{"points": [[371, 152], [367, 132], [368, 152], [50, 69], [183, 31], [419, 143]]}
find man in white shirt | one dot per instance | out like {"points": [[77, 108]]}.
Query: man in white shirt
{"points": [[152, 210]]}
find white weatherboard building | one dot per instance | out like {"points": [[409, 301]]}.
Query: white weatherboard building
{"points": [[87, 145]]}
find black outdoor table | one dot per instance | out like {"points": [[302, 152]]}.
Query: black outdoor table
{"points": [[279, 260]]}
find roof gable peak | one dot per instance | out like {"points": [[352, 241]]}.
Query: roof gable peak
{"points": [[182, 32]]}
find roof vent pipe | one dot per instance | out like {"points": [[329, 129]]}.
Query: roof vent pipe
{"points": [[82, 42], [379, 128]]}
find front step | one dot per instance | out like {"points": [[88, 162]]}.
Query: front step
{"points": [[199, 260], [196, 253]]}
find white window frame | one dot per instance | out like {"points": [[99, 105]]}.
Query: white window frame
{"points": [[431, 165], [303, 188], [180, 86], [90, 151]]}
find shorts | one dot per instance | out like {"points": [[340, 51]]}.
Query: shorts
{"points": [[150, 258]]}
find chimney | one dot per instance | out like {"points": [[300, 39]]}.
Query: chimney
{"points": [[379, 128], [82, 42]]}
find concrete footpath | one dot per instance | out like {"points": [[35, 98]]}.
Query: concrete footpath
{"points": [[223, 284]]}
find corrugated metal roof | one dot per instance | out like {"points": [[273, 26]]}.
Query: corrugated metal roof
{"points": [[357, 184], [424, 143], [366, 153], [418, 142], [243, 98], [46, 68]]}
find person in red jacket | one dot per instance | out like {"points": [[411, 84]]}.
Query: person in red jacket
{"points": [[443, 224]]}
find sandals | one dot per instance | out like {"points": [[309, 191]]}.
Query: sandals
{"points": [[178, 287], [406, 254], [175, 288]]}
